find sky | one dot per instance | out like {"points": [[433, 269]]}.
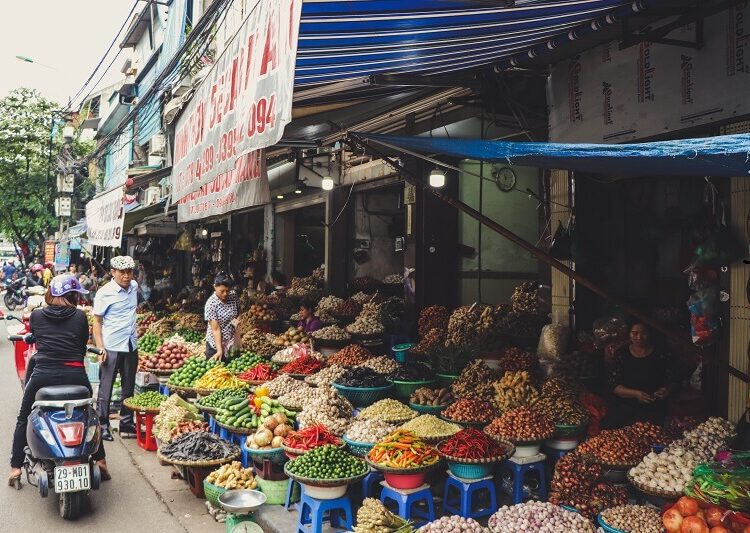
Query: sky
{"points": [[65, 38]]}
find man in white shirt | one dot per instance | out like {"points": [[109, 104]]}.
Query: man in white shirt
{"points": [[115, 307]]}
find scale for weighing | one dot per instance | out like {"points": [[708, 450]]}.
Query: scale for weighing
{"points": [[240, 503]]}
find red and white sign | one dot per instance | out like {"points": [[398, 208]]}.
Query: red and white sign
{"points": [[105, 215], [241, 107]]}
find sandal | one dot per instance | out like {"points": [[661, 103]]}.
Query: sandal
{"points": [[14, 480]]}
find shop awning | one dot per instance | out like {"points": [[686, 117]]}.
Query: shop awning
{"points": [[346, 40], [726, 155], [138, 214]]}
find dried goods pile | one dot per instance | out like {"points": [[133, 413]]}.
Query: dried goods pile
{"points": [[475, 381], [558, 403], [521, 425], [525, 298], [330, 305], [432, 317], [402, 449], [368, 430], [433, 339], [432, 397], [233, 476], [190, 322], [303, 287], [471, 411], [381, 364], [258, 342], [462, 326], [516, 359], [351, 307], [515, 390], [351, 355], [388, 410], [328, 409], [331, 333], [373, 517], [325, 377], [412, 372], [162, 328], [430, 427], [362, 377], [261, 311], [198, 446], [537, 517], [261, 372], [472, 444]]}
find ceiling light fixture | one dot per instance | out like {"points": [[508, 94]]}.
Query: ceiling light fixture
{"points": [[327, 183], [437, 178]]}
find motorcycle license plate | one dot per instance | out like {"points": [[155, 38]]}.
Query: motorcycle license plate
{"points": [[72, 478]]}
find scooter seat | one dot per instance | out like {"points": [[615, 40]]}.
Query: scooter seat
{"points": [[62, 392]]}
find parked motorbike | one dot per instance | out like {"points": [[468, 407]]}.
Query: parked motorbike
{"points": [[15, 294], [63, 432]]}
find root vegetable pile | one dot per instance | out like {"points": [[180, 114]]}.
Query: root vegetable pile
{"points": [[453, 524], [331, 333], [373, 517], [624, 446], [369, 431], [233, 476], [325, 377], [351, 355], [470, 411], [382, 364], [430, 427], [199, 446], [271, 433], [472, 444], [327, 408], [366, 325], [402, 449], [388, 410], [433, 397], [521, 425], [168, 356], [258, 342], [284, 385], [537, 517], [708, 438], [515, 390], [311, 437], [633, 519], [172, 411]]}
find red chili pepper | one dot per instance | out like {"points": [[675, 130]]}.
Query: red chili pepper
{"points": [[304, 364], [471, 444], [311, 437]]}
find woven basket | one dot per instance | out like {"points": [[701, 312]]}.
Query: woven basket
{"points": [[569, 430], [361, 397], [324, 482], [360, 449], [162, 372], [275, 455], [404, 389], [148, 410], [238, 431], [213, 492], [509, 451], [667, 495], [428, 409], [199, 464]]}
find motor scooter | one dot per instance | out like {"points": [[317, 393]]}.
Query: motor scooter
{"points": [[15, 294], [63, 433]]}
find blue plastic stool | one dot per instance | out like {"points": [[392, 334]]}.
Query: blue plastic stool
{"points": [[519, 467], [290, 492], [240, 440], [371, 483], [225, 434], [212, 427], [164, 389], [312, 513], [463, 504], [406, 499]]}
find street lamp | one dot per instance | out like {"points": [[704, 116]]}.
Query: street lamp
{"points": [[27, 59]]}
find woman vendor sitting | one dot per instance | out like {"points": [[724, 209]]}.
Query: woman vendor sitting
{"points": [[640, 382], [309, 322]]}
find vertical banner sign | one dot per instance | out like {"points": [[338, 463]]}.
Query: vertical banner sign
{"points": [[240, 108], [62, 255], [105, 215], [49, 251]]}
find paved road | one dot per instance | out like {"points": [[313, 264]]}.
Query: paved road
{"points": [[125, 504]]}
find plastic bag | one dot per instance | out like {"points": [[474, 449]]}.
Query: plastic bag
{"points": [[726, 484], [704, 319], [553, 341]]}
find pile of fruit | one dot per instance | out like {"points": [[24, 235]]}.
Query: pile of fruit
{"points": [[190, 371], [327, 462], [432, 397], [373, 517], [310, 438], [218, 377], [214, 399], [271, 433], [470, 411], [169, 356], [521, 425], [291, 337], [147, 400], [143, 323], [402, 449], [245, 361], [149, 343], [232, 476], [686, 516], [248, 412], [351, 355], [515, 390], [191, 335], [261, 312]]}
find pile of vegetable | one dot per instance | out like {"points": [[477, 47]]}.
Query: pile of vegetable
{"points": [[434, 317], [537, 517], [327, 462], [218, 377], [618, 447], [258, 342], [515, 390], [373, 517], [260, 372], [148, 400], [172, 411], [381, 364], [402, 449], [261, 312], [168, 356], [362, 377], [475, 382], [558, 402], [471, 444], [412, 372], [725, 483], [143, 322], [327, 408], [247, 413], [192, 335], [453, 524], [331, 333], [521, 425], [245, 361], [515, 360], [271, 433], [330, 305], [388, 410], [432, 397], [149, 343], [708, 438], [369, 431], [214, 399], [305, 365], [191, 371], [311, 437], [199, 446], [633, 519], [232, 476], [186, 426], [351, 355], [462, 326], [686, 516], [190, 321], [470, 411], [297, 399], [291, 337], [430, 427], [284, 385], [671, 470], [325, 377], [366, 324]]}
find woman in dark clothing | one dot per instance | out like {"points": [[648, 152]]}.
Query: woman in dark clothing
{"points": [[61, 332], [640, 381]]}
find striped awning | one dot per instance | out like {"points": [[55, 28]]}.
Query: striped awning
{"points": [[346, 40]]}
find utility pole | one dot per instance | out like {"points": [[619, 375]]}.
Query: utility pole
{"points": [[65, 184]]}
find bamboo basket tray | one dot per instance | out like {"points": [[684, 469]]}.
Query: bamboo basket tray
{"points": [[510, 449], [204, 409], [238, 431], [199, 464], [162, 373], [188, 392], [147, 410], [324, 482], [667, 495], [477, 425]]}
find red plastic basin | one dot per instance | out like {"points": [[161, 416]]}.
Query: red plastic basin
{"points": [[405, 481]]}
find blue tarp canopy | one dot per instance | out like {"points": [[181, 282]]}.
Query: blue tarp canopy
{"points": [[346, 40], [726, 155]]}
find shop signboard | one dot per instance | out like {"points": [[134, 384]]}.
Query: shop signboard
{"points": [[105, 215], [610, 95], [62, 255], [49, 251], [240, 108]]}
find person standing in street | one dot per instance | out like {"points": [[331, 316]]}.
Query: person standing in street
{"points": [[114, 332], [220, 312], [8, 270]]}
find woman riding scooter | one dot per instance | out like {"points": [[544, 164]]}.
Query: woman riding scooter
{"points": [[61, 332]]}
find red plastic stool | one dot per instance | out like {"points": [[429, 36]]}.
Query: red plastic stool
{"points": [[145, 439], [195, 477]]}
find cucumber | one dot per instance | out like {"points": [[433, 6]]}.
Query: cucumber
{"points": [[238, 406]]}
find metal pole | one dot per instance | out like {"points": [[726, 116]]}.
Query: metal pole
{"points": [[533, 250]]}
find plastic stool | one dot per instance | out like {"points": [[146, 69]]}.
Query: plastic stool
{"points": [[224, 434], [406, 499], [519, 467], [164, 390], [240, 440], [290, 492], [144, 426], [370, 483], [212, 427], [312, 513], [467, 488]]}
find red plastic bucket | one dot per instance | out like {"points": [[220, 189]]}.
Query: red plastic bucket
{"points": [[405, 481]]}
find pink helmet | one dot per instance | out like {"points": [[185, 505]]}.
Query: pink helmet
{"points": [[37, 268]]}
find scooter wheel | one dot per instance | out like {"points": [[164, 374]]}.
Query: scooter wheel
{"points": [[71, 504]]}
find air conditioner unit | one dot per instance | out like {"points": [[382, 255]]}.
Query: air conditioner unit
{"points": [[155, 161], [152, 195], [156, 145], [131, 72]]}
